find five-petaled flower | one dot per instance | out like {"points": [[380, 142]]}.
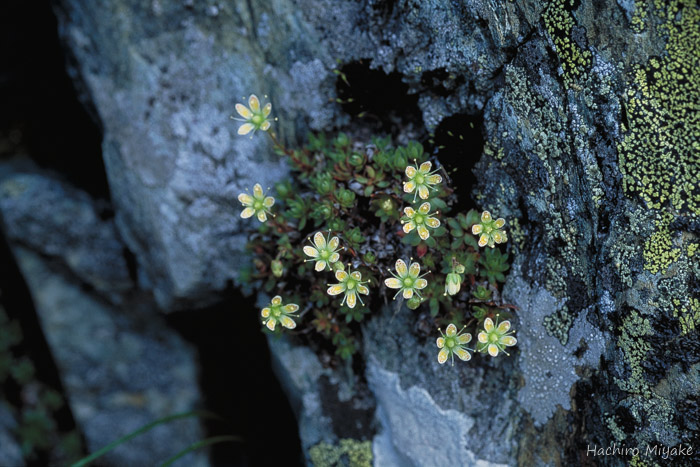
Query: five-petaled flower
{"points": [[255, 118], [407, 279], [256, 204], [324, 252], [452, 343], [495, 338], [421, 180], [490, 230], [420, 220], [351, 284], [277, 312]]}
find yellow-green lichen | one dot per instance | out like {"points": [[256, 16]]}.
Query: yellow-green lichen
{"points": [[660, 153], [639, 17], [659, 251], [633, 330], [559, 23], [347, 453]]}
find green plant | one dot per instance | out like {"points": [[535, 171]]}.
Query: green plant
{"points": [[362, 196]]}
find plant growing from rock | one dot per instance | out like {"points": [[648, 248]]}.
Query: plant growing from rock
{"points": [[381, 203]]}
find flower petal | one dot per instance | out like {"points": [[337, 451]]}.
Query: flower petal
{"points": [[333, 244], [440, 342], [320, 241], [276, 300], [442, 356], [423, 192], [503, 327], [392, 283], [265, 313], [265, 125], [451, 330], [245, 128], [245, 199], [408, 226], [493, 350], [424, 208], [334, 258], [477, 229], [341, 275], [425, 167], [463, 354], [409, 186], [500, 222], [433, 222], [485, 216], [414, 270], [482, 337], [420, 284], [287, 322], [254, 103], [423, 232], [271, 324], [464, 338], [291, 308], [267, 109], [488, 325], [508, 340], [483, 240], [407, 294], [401, 267], [357, 275], [336, 289], [363, 290], [247, 212], [410, 171], [269, 202], [262, 217], [320, 265], [409, 212], [311, 251], [352, 299], [497, 237], [434, 179], [244, 111], [257, 191]]}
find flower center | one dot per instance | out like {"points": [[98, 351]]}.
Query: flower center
{"points": [[257, 205], [257, 119], [276, 312], [420, 179], [419, 219], [493, 337], [408, 282], [450, 342], [351, 283], [325, 254]]}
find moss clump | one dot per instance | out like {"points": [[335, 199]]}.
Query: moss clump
{"points": [[559, 23], [349, 452], [659, 252], [659, 154]]}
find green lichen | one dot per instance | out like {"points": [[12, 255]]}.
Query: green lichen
{"points": [[659, 154], [559, 22], [347, 453], [659, 251], [640, 15], [633, 330]]}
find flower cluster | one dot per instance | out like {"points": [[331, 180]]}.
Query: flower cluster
{"points": [[490, 230]]}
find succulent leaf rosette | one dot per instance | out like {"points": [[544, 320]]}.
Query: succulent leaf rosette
{"points": [[451, 343], [278, 312]]}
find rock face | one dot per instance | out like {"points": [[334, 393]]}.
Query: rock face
{"points": [[590, 130], [121, 366]]}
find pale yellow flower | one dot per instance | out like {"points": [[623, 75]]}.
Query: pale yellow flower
{"points": [[407, 279], [350, 284], [420, 220], [255, 117], [421, 180], [495, 338], [489, 230], [277, 312], [324, 251], [257, 204], [452, 343]]}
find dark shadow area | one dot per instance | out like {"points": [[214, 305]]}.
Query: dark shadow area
{"points": [[41, 114], [19, 307], [381, 100], [238, 384], [458, 144]]}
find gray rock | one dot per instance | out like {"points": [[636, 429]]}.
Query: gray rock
{"points": [[10, 449]]}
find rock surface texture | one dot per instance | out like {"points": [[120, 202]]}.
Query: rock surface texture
{"points": [[591, 141]]}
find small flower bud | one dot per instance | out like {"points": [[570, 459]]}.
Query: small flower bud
{"points": [[453, 283], [277, 268], [413, 303]]}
